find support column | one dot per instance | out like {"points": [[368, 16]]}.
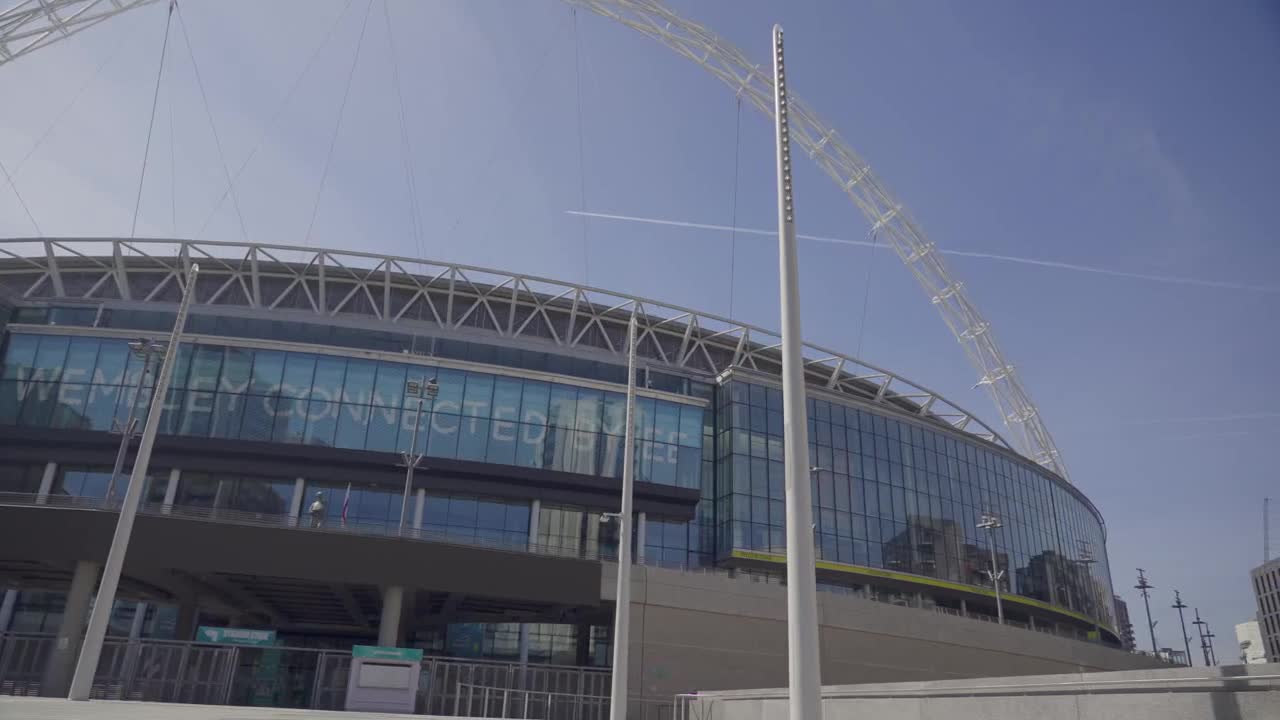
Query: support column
{"points": [[964, 607], [66, 648], [6, 609], [1031, 621], [171, 490], [642, 525], [420, 506], [46, 483], [295, 506], [389, 624], [535, 509], [188, 617]]}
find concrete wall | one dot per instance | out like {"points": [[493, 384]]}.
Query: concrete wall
{"points": [[699, 632], [1221, 693]]}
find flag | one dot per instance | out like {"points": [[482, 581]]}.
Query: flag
{"points": [[346, 503]]}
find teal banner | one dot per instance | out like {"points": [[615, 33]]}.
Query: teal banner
{"points": [[235, 636], [374, 652]]}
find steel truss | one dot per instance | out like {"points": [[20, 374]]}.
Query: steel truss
{"points": [[40, 23], [460, 299], [33, 24]]}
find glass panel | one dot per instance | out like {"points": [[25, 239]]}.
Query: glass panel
{"points": [[353, 425], [326, 386], [506, 399], [290, 420], [206, 364], [81, 358], [228, 409], [534, 404], [388, 391], [20, 356], [564, 402], [237, 370], [50, 358], [615, 413], [299, 370], [322, 423], [479, 396], [472, 438], [444, 436], [384, 427], [268, 368], [590, 403], [359, 383]]}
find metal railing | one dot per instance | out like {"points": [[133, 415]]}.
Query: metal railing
{"points": [[292, 677]]}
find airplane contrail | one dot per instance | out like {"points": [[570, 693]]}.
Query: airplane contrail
{"points": [[1054, 264], [1206, 419]]}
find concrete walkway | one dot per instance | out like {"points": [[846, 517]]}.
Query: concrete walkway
{"points": [[15, 708]]}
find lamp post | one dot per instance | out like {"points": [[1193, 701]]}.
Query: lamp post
{"points": [[421, 389], [87, 664], [1186, 639], [145, 349], [1144, 587], [1204, 644], [804, 669], [991, 522], [622, 603]]}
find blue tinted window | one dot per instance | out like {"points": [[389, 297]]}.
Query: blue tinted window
{"points": [[506, 399], [237, 370], [82, 355], [100, 406], [503, 435], [258, 417], [322, 423], [206, 364], [197, 414], [268, 368], [353, 425], [228, 410], [478, 400], [358, 386], [614, 420], [534, 404], [299, 370], [384, 428], [472, 439], [388, 390], [452, 386], [20, 356], [564, 403], [327, 383], [590, 403], [530, 441], [50, 358], [290, 420], [443, 441]]}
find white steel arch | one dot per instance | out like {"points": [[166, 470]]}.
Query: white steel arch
{"points": [[40, 22]]}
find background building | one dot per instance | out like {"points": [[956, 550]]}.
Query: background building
{"points": [[1266, 590], [1249, 638], [290, 383], [1123, 625]]}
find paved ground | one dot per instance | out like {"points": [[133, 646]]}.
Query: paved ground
{"points": [[12, 708]]}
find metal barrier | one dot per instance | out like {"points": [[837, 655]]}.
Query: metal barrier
{"points": [[308, 678]]}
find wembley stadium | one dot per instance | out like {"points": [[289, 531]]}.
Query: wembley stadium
{"points": [[275, 497]]}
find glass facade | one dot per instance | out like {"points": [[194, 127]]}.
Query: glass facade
{"points": [[888, 492], [896, 495], [303, 398]]}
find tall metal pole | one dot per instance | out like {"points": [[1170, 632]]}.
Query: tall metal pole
{"points": [[804, 671], [1186, 639], [87, 664], [1145, 587], [991, 523], [143, 347], [1204, 644], [622, 602], [412, 458]]}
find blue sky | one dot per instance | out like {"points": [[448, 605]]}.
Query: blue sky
{"points": [[1136, 137]]}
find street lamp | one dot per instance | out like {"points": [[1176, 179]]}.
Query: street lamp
{"points": [[1145, 587], [145, 349], [91, 651], [1186, 639], [991, 522], [423, 390]]}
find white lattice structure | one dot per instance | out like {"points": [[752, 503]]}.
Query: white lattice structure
{"points": [[393, 292], [40, 23], [32, 24]]}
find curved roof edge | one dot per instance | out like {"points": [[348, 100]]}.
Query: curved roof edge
{"points": [[455, 296]]}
